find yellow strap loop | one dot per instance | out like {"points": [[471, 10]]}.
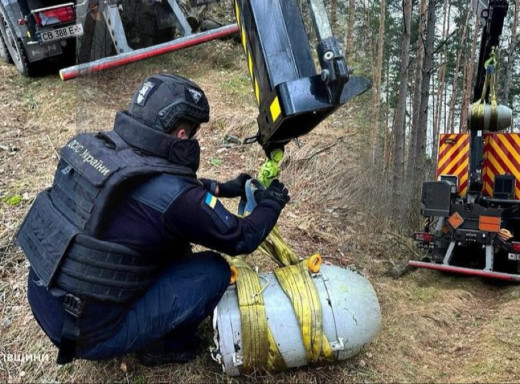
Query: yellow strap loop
{"points": [[259, 349], [492, 93], [478, 108], [314, 263], [277, 249], [301, 290], [255, 340], [234, 274], [270, 170], [274, 246], [275, 361]]}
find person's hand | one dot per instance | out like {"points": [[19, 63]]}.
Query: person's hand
{"points": [[275, 192], [235, 187]]}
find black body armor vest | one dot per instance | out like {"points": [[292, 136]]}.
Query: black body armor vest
{"points": [[59, 235]]}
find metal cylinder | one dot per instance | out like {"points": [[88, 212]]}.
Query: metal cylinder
{"points": [[486, 118], [350, 311]]}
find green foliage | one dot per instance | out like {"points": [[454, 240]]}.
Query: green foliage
{"points": [[12, 200], [139, 379], [30, 101], [215, 162], [239, 85]]}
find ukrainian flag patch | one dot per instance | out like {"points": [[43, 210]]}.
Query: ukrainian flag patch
{"points": [[222, 218], [211, 200]]}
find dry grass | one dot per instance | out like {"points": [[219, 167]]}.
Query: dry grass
{"points": [[436, 328]]}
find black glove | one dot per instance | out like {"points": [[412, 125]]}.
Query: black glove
{"points": [[275, 192], [235, 187]]}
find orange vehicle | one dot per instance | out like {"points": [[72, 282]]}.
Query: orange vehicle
{"points": [[472, 209]]}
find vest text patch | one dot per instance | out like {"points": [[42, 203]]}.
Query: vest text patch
{"points": [[93, 163]]}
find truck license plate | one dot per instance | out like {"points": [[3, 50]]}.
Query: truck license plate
{"points": [[61, 33], [514, 256]]}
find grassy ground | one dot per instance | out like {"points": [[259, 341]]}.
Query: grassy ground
{"points": [[435, 328]]}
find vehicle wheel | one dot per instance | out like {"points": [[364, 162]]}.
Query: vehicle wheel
{"points": [[14, 45], [4, 52], [142, 23], [138, 18], [96, 42]]}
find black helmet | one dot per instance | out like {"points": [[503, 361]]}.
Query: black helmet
{"points": [[163, 100]]}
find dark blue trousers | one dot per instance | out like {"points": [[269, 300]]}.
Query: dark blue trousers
{"points": [[169, 312]]}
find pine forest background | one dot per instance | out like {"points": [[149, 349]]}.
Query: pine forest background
{"points": [[422, 57], [355, 184]]}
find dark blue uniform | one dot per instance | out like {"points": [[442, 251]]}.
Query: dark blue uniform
{"points": [[161, 216]]}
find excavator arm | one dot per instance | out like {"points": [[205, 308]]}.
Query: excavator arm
{"points": [[493, 17], [485, 114], [292, 96]]}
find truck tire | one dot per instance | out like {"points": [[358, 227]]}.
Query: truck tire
{"points": [[14, 45], [4, 52], [141, 21]]}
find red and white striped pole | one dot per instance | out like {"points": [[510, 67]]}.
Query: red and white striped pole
{"points": [[465, 271], [145, 53]]}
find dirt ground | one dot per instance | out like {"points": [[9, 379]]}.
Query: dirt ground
{"points": [[435, 328]]}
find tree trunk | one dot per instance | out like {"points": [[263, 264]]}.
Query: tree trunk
{"points": [[427, 69], [454, 89], [511, 55], [334, 12], [422, 127], [468, 83], [416, 101], [437, 117], [350, 28], [400, 112], [387, 138], [440, 90], [376, 89]]}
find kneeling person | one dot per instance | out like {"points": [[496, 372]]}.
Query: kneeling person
{"points": [[109, 243]]}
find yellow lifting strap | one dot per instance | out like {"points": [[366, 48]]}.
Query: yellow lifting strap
{"points": [[297, 283], [277, 249], [478, 108], [274, 246], [259, 349]]}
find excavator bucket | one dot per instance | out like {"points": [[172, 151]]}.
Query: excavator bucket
{"points": [[292, 97]]}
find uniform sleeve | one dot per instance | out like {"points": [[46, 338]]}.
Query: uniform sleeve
{"points": [[209, 185], [200, 218]]}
